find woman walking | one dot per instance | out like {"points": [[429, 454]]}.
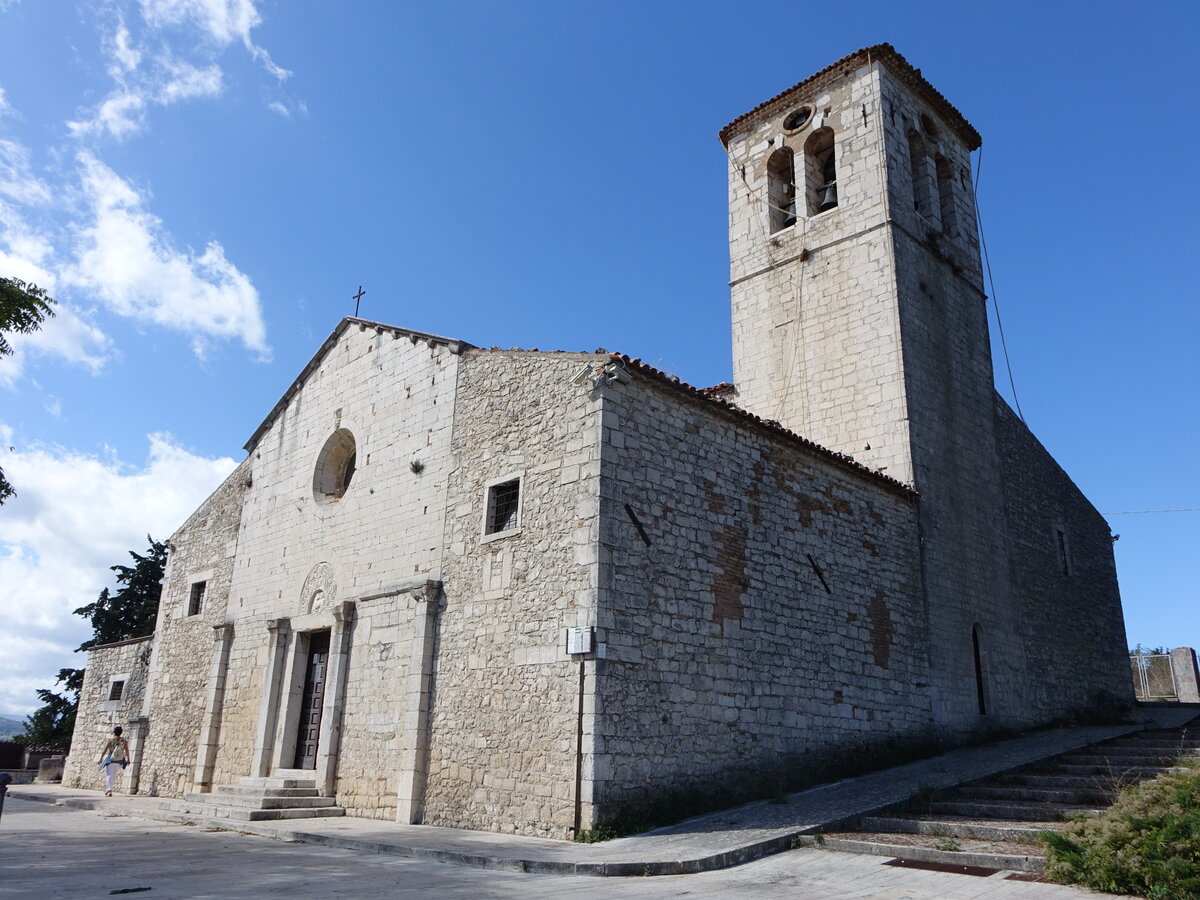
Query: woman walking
{"points": [[113, 759]]}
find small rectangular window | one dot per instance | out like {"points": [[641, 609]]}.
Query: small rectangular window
{"points": [[503, 512], [1064, 553], [116, 690], [196, 600]]}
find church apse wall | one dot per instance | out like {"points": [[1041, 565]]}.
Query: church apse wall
{"points": [[1064, 572], [762, 616]]}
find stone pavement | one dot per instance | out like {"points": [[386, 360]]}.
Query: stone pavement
{"points": [[53, 853], [702, 844]]}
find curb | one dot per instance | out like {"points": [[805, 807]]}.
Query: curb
{"points": [[724, 859]]}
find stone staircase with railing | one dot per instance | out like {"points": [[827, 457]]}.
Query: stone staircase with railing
{"points": [[996, 822], [288, 795]]}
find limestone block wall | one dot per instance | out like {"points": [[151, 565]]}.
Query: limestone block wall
{"points": [[769, 626], [301, 553], [815, 328], [947, 370], [205, 549], [1070, 607], [369, 762], [97, 715], [505, 692]]}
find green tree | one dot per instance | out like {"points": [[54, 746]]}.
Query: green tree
{"points": [[23, 308], [129, 613]]}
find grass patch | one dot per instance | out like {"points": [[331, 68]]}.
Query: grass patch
{"points": [[1147, 843], [598, 834]]}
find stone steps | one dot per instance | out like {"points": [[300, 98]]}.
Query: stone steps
{"points": [[246, 813], [968, 855], [1111, 760], [1007, 809], [258, 801], [289, 794], [240, 790], [1138, 772], [1089, 796], [997, 822], [1058, 782], [983, 830]]}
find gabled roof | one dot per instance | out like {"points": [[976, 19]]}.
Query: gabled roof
{"points": [[883, 53], [716, 397], [454, 344]]}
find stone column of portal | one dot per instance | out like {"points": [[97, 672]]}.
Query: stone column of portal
{"points": [[414, 753], [214, 701], [335, 698], [264, 736]]}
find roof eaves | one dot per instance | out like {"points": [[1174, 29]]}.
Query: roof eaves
{"points": [[883, 53], [841, 460], [456, 346]]}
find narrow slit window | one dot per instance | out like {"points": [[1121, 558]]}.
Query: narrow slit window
{"points": [[980, 687], [116, 690], [945, 184], [504, 503], [1064, 551], [196, 598]]}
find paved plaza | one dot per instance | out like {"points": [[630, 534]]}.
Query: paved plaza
{"points": [[50, 852]]}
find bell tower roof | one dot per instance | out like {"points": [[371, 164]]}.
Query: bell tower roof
{"points": [[884, 53]]}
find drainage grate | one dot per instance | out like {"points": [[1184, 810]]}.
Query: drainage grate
{"points": [[981, 871]]}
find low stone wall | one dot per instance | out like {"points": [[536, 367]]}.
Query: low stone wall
{"points": [[127, 662]]}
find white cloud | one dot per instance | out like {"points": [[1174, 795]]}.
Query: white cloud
{"points": [[68, 335], [123, 55], [184, 81], [5, 106], [75, 515], [28, 253], [221, 21], [17, 181], [125, 258]]}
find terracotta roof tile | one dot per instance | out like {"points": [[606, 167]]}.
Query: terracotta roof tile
{"points": [[884, 53], [840, 459]]}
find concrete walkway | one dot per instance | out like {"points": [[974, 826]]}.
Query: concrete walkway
{"points": [[702, 844]]}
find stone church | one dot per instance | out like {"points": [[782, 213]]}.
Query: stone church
{"points": [[531, 591]]}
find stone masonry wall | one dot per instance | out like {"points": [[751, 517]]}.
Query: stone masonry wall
{"points": [[1072, 621], [204, 550], [97, 715], [815, 328], [506, 694], [300, 554], [948, 384], [769, 627]]}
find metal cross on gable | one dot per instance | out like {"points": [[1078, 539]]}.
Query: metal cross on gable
{"points": [[357, 298]]}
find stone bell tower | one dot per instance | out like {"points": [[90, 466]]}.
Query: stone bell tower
{"points": [[859, 322]]}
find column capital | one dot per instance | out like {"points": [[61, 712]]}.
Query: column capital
{"points": [[429, 592]]}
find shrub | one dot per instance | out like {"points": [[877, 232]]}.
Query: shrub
{"points": [[1147, 843]]}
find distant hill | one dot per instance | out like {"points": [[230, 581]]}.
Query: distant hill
{"points": [[9, 727]]}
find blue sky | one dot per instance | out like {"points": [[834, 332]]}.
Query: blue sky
{"points": [[203, 184]]}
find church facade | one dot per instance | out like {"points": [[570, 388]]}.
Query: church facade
{"points": [[531, 591]]}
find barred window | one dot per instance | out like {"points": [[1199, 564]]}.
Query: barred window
{"points": [[503, 512], [116, 690], [196, 600]]}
